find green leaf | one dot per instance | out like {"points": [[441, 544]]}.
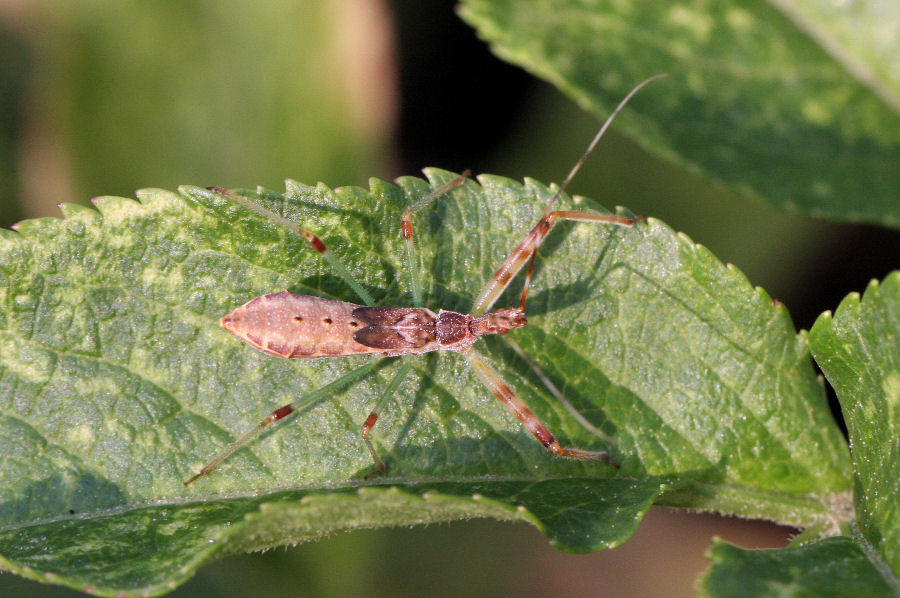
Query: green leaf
{"points": [[117, 383], [859, 351], [791, 101], [833, 567]]}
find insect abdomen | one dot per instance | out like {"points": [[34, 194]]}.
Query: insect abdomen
{"points": [[297, 326]]}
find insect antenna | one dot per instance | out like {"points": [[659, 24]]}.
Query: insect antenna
{"points": [[549, 209], [596, 140]]}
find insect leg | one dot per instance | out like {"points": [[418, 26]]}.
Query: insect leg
{"points": [[517, 407], [557, 394], [316, 243], [529, 245], [527, 249], [323, 392], [406, 229], [367, 426]]}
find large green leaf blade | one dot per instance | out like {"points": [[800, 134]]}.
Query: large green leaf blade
{"points": [[859, 351], [149, 550], [773, 100], [859, 35], [833, 567], [117, 383]]}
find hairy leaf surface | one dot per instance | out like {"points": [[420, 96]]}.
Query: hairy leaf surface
{"points": [[117, 383]]}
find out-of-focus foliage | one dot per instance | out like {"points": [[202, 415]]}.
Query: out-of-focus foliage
{"points": [[754, 101]]}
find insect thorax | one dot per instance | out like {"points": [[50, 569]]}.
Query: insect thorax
{"points": [[498, 322]]}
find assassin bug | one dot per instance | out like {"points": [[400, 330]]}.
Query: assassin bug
{"points": [[301, 326]]}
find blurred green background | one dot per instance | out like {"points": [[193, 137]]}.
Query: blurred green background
{"points": [[103, 98]]}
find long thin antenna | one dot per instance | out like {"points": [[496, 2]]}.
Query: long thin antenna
{"points": [[597, 137]]}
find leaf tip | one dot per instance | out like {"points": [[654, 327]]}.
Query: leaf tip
{"points": [[438, 176]]}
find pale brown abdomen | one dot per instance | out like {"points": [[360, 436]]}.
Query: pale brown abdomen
{"points": [[288, 325]]}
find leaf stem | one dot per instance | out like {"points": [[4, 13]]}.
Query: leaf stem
{"points": [[890, 578]]}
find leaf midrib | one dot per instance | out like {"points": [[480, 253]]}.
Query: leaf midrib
{"points": [[874, 556]]}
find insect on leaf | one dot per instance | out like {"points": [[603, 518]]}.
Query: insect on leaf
{"points": [[117, 382]]}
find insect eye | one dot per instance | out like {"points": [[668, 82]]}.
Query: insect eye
{"points": [[354, 324], [298, 318], [326, 320]]}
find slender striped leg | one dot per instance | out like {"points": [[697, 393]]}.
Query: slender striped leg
{"points": [[339, 268], [367, 426], [406, 229], [557, 393], [529, 245], [415, 286], [324, 392], [517, 407], [527, 250]]}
